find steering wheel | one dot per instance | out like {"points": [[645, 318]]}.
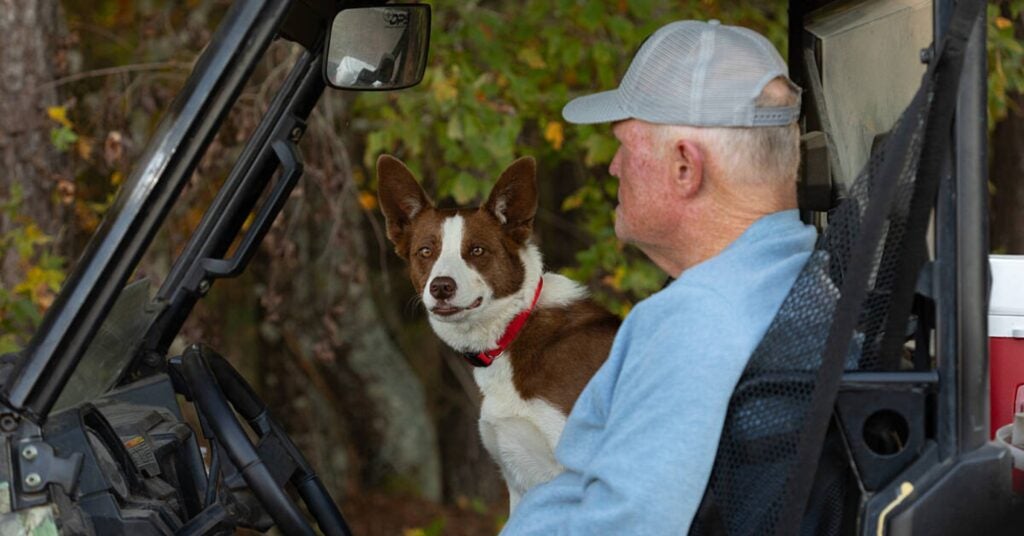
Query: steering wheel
{"points": [[215, 387]]}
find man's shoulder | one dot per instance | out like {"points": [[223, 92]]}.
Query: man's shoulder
{"points": [[684, 301], [744, 284]]}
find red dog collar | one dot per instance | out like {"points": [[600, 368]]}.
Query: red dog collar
{"points": [[485, 358]]}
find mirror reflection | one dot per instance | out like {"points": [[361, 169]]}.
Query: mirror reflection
{"points": [[378, 47]]}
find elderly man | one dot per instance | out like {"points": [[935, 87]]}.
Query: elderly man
{"points": [[707, 164]]}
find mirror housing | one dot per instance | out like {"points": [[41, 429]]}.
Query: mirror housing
{"points": [[378, 48]]}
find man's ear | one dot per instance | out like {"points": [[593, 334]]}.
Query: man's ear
{"points": [[513, 199], [689, 168], [401, 199]]}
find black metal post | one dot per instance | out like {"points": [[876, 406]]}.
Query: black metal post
{"points": [[162, 171], [945, 282], [962, 259], [972, 243]]}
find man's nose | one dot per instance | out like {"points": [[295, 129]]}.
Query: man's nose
{"points": [[442, 288], [613, 168]]}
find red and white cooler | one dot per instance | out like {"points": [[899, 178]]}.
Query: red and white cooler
{"points": [[1006, 338], [1006, 357]]}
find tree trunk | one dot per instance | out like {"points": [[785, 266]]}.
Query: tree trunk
{"points": [[469, 470], [28, 52], [1006, 172], [362, 392]]}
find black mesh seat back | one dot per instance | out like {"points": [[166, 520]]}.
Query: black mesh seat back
{"points": [[758, 445]]}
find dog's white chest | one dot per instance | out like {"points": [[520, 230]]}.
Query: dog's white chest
{"points": [[520, 434]]}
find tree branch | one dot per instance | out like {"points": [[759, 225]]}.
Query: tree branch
{"points": [[107, 71]]}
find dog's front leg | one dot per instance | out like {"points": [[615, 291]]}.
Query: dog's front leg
{"points": [[496, 442], [525, 456], [513, 499]]}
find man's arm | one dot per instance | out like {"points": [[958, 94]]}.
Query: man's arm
{"points": [[654, 457]]}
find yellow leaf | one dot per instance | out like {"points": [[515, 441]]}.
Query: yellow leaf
{"points": [[531, 57], [414, 532], [36, 285], [620, 273], [368, 201], [1003, 23], [572, 202], [116, 178], [24, 288], [555, 134], [248, 221], [84, 147], [443, 88], [87, 219], [614, 280], [59, 114], [44, 300], [35, 235]]}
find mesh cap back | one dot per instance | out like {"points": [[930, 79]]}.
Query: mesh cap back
{"points": [[693, 73]]}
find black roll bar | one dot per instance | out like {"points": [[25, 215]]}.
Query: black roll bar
{"points": [[972, 268], [961, 266]]}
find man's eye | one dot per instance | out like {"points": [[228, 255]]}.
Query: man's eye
{"points": [[425, 252], [476, 251]]}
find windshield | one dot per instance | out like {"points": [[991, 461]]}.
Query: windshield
{"points": [[112, 348], [160, 173]]}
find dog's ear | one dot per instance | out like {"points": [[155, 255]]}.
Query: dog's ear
{"points": [[513, 199], [401, 199]]}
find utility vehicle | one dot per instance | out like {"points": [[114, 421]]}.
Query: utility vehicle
{"points": [[864, 411]]}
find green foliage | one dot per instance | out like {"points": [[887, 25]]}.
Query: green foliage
{"points": [[498, 78], [63, 138], [435, 528], [500, 73], [1005, 58], [22, 305]]}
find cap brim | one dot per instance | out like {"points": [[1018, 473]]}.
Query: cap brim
{"points": [[597, 108]]}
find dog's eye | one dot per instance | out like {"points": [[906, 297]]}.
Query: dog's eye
{"points": [[425, 252], [476, 251]]}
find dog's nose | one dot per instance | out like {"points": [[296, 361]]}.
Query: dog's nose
{"points": [[442, 288]]}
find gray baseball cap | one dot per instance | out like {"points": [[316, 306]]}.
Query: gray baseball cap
{"points": [[693, 73]]}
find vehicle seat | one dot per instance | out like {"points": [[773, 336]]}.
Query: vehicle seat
{"points": [[783, 464]]}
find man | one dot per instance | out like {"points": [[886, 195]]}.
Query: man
{"points": [[707, 164]]}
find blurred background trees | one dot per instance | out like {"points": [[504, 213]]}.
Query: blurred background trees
{"points": [[324, 323]]}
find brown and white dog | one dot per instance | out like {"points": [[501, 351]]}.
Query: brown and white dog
{"points": [[535, 337]]}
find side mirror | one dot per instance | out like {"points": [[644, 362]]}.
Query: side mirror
{"points": [[378, 48]]}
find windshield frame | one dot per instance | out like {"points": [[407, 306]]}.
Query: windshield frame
{"points": [[141, 206]]}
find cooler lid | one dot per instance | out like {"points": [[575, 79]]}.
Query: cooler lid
{"points": [[1006, 304]]}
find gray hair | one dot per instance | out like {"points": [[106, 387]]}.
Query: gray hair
{"points": [[759, 155]]}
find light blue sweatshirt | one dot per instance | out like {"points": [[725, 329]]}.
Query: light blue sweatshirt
{"points": [[640, 442]]}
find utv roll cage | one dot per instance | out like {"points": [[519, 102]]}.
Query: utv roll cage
{"points": [[837, 426], [76, 458]]}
